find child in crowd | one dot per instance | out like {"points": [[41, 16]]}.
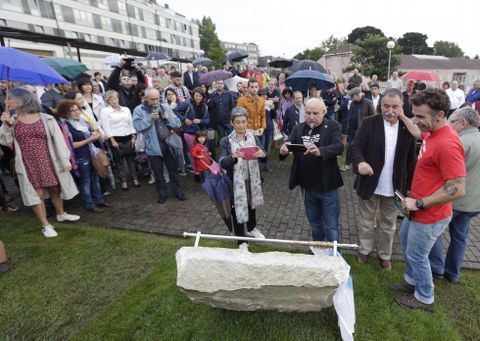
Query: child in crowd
{"points": [[200, 154]]}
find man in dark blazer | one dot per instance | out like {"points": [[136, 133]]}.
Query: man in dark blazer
{"points": [[190, 78], [375, 96], [316, 170], [294, 114], [384, 158]]}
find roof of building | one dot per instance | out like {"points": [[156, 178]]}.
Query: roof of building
{"points": [[422, 62]]}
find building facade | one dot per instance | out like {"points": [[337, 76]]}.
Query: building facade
{"points": [[249, 48], [142, 25]]}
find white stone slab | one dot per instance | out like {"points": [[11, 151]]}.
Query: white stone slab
{"points": [[231, 279]]}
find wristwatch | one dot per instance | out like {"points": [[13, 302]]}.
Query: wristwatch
{"points": [[419, 204]]}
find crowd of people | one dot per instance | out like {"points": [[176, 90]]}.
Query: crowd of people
{"points": [[414, 150]]}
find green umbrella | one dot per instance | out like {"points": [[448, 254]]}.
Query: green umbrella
{"points": [[66, 67]]}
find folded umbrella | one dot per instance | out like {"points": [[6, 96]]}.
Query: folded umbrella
{"points": [[66, 67], [307, 65], [303, 79], [235, 56], [202, 61], [209, 77], [218, 187], [113, 59]]}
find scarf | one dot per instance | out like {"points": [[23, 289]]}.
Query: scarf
{"points": [[240, 170], [83, 126]]}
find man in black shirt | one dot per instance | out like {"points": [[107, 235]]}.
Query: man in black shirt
{"points": [[316, 170]]}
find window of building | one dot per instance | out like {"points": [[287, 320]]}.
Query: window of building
{"points": [[151, 34], [144, 33], [117, 26], [184, 41], [149, 17], [161, 21], [131, 11], [460, 77], [106, 23], [113, 6], [67, 13], [83, 18], [139, 13], [103, 4], [134, 30], [122, 8], [12, 5], [97, 21]]}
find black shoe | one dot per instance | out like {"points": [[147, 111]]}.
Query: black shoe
{"points": [[437, 276], [403, 287], [181, 196], [198, 178], [162, 199], [267, 169]]}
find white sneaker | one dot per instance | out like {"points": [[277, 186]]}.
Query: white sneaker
{"points": [[255, 233], [243, 247], [167, 180], [67, 217], [151, 181], [49, 232], [345, 168]]}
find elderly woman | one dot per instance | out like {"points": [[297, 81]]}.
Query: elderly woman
{"points": [[117, 124], [242, 167], [42, 159], [83, 137]]}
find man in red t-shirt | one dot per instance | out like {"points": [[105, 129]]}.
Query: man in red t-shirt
{"points": [[438, 180]]}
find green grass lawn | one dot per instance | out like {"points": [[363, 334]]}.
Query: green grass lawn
{"points": [[98, 284]]}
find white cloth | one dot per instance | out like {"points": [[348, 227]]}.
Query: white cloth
{"points": [[395, 83], [117, 123], [385, 182], [457, 98]]}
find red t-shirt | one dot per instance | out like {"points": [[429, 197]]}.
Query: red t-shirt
{"points": [[200, 164], [441, 158]]}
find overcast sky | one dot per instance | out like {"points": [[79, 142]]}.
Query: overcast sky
{"points": [[279, 29]]}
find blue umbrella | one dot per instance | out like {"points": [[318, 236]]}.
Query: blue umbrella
{"points": [[303, 79], [209, 77], [19, 66], [218, 187], [157, 56], [307, 65], [235, 56], [202, 61]]}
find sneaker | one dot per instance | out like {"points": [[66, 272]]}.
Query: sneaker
{"points": [[403, 287], [67, 217], [49, 232], [410, 302], [151, 181], [255, 233], [243, 247], [345, 168], [167, 180], [106, 193]]}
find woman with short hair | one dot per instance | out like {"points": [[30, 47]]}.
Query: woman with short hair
{"points": [[42, 158], [94, 102]]}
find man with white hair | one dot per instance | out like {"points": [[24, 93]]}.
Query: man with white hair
{"points": [[456, 95], [473, 95], [190, 78], [315, 168], [465, 122], [395, 81]]}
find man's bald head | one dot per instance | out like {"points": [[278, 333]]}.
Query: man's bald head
{"points": [[315, 110]]}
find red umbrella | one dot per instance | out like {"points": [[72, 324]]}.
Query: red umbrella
{"points": [[421, 76]]}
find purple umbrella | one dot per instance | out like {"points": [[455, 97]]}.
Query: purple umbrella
{"points": [[219, 189], [209, 77]]}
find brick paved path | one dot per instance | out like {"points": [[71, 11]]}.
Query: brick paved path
{"points": [[282, 216]]}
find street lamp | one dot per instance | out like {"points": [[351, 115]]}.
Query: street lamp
{"points": [[390, 46]]}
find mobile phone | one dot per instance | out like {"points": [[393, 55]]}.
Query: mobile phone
{"points": [[296, 148], [399, 195]]}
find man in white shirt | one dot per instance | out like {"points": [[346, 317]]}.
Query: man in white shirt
{"points": [[395, 82], [384, 157], [456, 95]]}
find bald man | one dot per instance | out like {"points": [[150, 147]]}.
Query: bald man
{"points": [[315, 168]]}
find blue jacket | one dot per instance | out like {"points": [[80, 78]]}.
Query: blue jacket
{"points": [[185, 110], [290, 119], [143, 123], [473, 96], [221, 106]]}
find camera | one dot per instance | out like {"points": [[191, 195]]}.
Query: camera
{"points": [[128, 63]]}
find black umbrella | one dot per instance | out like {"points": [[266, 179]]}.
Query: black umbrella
{"points": [[281, 63], [235, 56], [307, 65], [157, 56], [219, 189]]}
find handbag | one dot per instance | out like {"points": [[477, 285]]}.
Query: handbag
{"points": [[125, 148], [277, 135], [140, 143], [101, 162]]}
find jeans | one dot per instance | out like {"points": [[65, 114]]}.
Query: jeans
{"points": [[322, 209], [156, 163], [267, 138], [89, 183], [450, 266], [417, 240]]}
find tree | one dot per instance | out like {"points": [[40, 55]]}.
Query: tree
{"points": [[447, 49], [209, 41], [313, 54], [414, 43], [360, 33], [476, 56], [332, 43], [371, 56]]}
